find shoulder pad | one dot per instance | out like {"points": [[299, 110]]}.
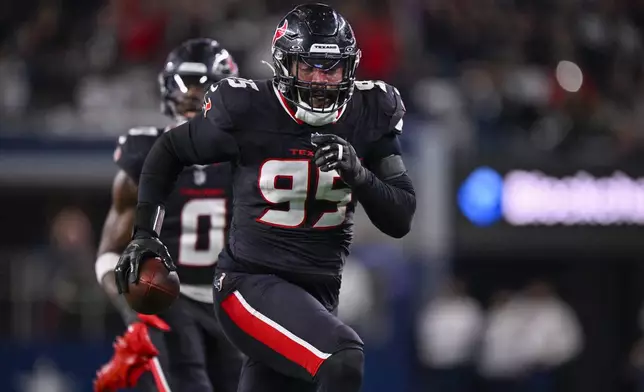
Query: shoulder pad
{"points": [[133, 147], [227, 101], [391, 108]]}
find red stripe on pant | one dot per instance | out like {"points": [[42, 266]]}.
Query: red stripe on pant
{"points": [[269, 336]]}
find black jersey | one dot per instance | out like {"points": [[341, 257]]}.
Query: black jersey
{"points": [[198, 210], [287, 214]]}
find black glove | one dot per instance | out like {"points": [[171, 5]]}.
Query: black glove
{"points": [[335, 153], [141, 246]]}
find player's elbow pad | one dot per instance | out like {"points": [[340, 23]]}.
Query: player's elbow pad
{"points": [[394, 210], [400, 230], [400, 227], [406, 206]]}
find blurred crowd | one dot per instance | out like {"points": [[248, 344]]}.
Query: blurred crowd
{"points": [[520, 343], [561, 75], [547, 75]]}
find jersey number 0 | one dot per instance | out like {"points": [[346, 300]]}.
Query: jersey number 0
{"points": [[215, 211]]}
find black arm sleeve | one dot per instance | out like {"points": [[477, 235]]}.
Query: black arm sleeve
{"points": [[197, 142], [387, 195], [390, 204]]}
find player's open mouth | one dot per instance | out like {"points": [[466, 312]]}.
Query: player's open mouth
{"points": [[321, 102]]}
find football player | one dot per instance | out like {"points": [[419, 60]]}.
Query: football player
{"points": [[183, 348], [305, 146]]}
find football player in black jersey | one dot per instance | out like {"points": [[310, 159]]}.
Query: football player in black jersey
{"points": [[193, 354], [305, 146]]}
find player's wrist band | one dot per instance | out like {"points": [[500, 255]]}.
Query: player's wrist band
{"points": [[149, 218], [104, 264]]}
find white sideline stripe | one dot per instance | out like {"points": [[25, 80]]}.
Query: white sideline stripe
{"points": [[159, 372], [279, 328]]}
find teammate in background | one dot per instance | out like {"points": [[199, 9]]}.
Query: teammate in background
{"points": [[306, 147], [184, 348]]}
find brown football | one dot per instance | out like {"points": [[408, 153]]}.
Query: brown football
{"points": [[156, 290]]}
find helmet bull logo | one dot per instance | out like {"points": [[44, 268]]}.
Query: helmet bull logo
{"points": [[280, 32]]}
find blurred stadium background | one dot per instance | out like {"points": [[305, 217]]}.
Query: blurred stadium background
{"points": [[524, 134]]}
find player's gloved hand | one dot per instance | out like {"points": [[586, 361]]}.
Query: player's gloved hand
{"points": [[334, 153], [132, 354], [141, 246]]}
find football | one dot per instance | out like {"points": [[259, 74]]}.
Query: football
{"points": [[156, 290]]}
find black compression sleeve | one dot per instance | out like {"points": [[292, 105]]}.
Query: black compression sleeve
{"points": [[194, 142], [160, 171], [390, 204]]}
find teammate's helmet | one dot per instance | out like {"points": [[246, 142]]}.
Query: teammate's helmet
{"points": [[196, 62], [313, 38]]}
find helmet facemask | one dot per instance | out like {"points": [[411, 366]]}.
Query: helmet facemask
{"points": [[316, 82]]}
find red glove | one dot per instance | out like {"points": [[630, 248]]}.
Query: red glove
{"points": [[132, 354]]}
